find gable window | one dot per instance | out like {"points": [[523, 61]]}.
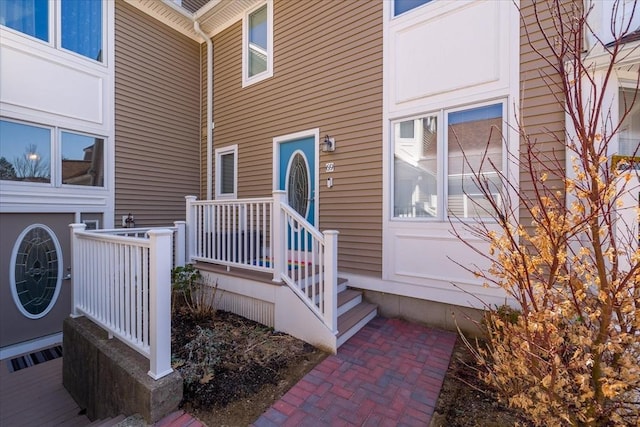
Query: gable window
{"points": [[226, 172], [79, 23], [39, 154], [434, 169], [257, 63], [402, 6]]}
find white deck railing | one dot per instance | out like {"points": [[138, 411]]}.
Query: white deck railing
{"points": [[122, 281], [266, 234]]}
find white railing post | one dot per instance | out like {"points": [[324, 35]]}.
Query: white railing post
{"points": [[180, 244], [76, 269], [191, 228], [279, 236], [331, 279], [160, 303]]}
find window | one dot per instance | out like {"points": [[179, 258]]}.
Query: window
{"points": [[81, 27], [30, 17], [28, 154], [82, 160], [433, 177], [629, 136], [402, 6], [226, 172], [257, 46], [80, 23], [25, 152]]}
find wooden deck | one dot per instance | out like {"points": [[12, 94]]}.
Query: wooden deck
{"points": [[34, 396]]}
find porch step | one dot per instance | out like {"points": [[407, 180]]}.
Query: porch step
{"points": [[355, 319], [348, 299]]}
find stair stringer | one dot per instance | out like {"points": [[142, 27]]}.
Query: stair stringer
{"points": [[293, 317]]}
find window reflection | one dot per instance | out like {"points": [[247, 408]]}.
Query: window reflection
{"points": [[25, 152], [82, 160]]}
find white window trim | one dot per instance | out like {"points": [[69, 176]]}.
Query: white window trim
{"points": [[246, 80], [55, 159], [442, 160], [232, 149], [55, 15]]}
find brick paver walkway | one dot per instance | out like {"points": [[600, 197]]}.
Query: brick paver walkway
{"points": [[389, 374]]}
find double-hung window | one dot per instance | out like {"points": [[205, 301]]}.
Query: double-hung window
{"points": [[439, 158], [257, 46], [226, 172], [41, 154], [79, 23]]}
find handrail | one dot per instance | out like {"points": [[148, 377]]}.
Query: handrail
{"points": [[311, 268], [123, 284], [233, 233], [266, 234]]}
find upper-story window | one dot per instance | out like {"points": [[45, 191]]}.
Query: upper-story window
{"points": [[30, 17], [435, 170], [257, 47], [402, 6], [41, 154], [81, 27], [79, 23]]}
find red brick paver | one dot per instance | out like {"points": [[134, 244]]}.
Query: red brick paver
{"points": [[388, 374]]}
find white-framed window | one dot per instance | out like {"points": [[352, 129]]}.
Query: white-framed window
{"points": [[437, 159], [402, 6], [629, 135], [257, 44], [48, 155], [79, 25], [227, 172]]}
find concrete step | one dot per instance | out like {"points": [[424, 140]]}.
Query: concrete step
{"points": [[355, 319]]}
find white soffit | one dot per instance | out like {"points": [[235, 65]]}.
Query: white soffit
{"points": [[213, 17]]}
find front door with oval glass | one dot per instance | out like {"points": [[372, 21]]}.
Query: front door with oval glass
{"points": [[34, 297], [297, 175]]}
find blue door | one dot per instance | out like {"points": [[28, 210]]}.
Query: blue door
{"points": [[297, 175]]}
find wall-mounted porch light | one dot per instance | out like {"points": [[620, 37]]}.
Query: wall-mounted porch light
{"points": [[329, 144]]}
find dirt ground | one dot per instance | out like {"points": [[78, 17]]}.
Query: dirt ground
{"points": [[466, 401], [235, 369]]}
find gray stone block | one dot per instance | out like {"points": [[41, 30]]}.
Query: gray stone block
{"points": [[108, 378]]}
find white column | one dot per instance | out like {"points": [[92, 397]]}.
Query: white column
{"points": [[279, 236], [160, 303], [331, 279], [191, 228], [76, 269], [180, 243]]}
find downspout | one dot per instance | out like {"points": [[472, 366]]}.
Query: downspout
{"points": [[210, 125]]}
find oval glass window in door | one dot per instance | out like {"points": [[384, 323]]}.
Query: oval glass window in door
{"points": [[298, 184], [35, 271]]}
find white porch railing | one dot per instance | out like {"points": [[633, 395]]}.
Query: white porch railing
{"points": [[266, 234], [122, 282]]}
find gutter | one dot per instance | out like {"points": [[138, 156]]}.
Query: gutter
{"points": [[210, 124]]}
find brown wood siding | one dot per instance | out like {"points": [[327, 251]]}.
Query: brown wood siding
{"points": [[327, 75], [157, 118], [542, 114]]}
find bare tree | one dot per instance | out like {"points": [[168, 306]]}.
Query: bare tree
{"points": [[32, 166], [565, 252]]}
